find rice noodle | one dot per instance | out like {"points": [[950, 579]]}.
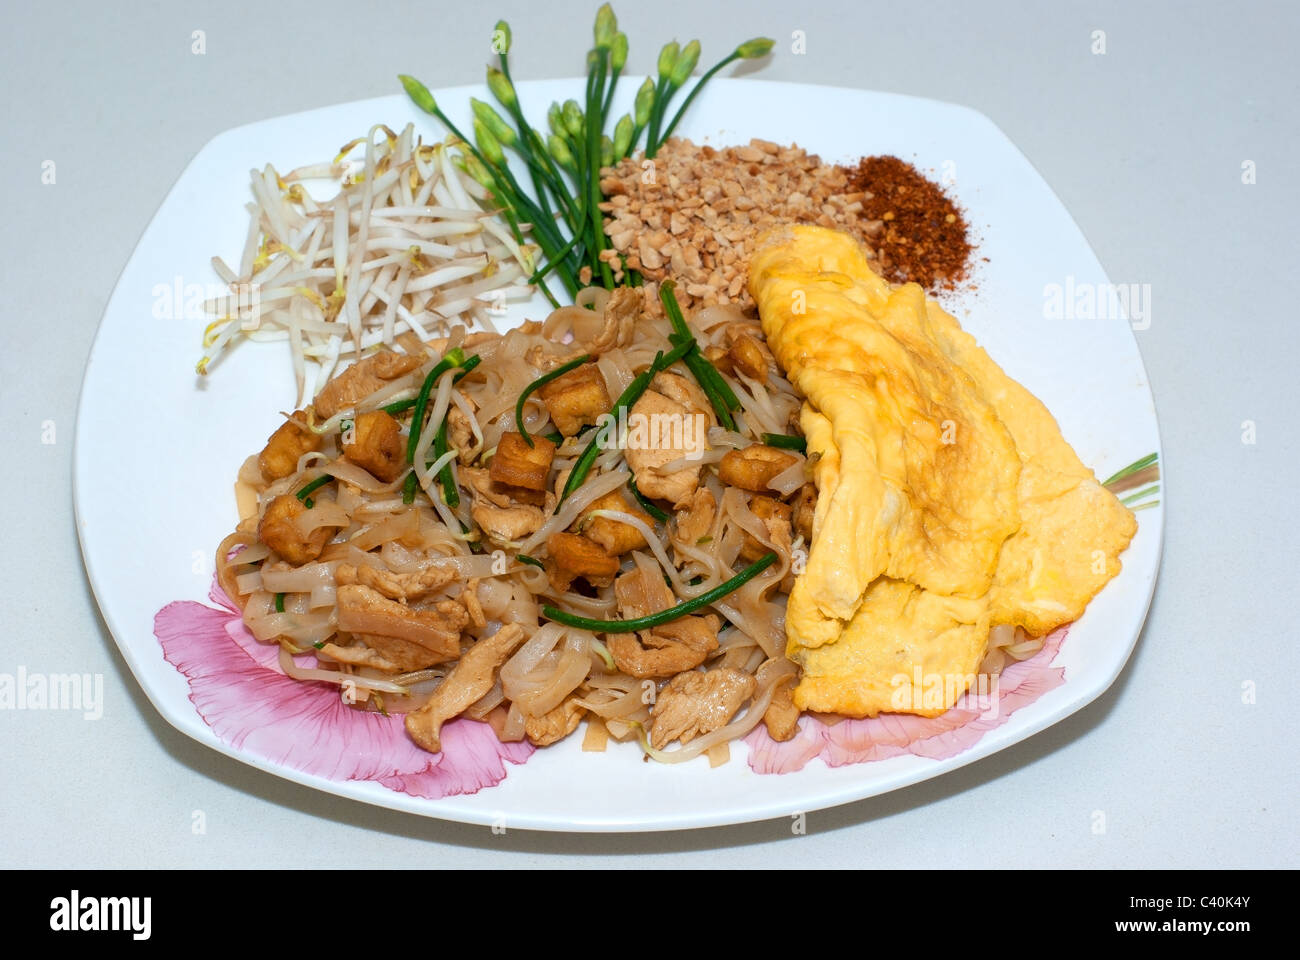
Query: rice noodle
{"points": [[537, 678], [790, 479], [292, 669], [402, 544], [715, 314]]}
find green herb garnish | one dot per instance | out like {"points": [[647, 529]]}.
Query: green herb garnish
{"points": [[537, 384], [785, 441], [663, 616]]}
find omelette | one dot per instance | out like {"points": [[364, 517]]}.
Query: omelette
{"points": [[948, 500]]}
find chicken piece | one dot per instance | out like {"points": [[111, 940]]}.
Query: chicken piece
{"points": [[805, 507], [517, 464], [504, 495], [754, 467], [615, 537], [637, 660], [278, 531], [773, 513], [469, 597], [684, 391], [502, 518], [460, 435], [375, 443], [694, 703], [396, 586], [508, 524], [642, 591], [409, 637], [747, 357], [782, 717], [480, 484], [622, 311], [361, 380], [404, 655], [556, 725], [576, 399], [279, 459], [468, 682], [543, 359], [359, 655], [672, 399], [670, 648], [572, 556], [696, 520]]}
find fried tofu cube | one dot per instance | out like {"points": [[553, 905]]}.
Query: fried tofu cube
{"points": [[572, 556], [615, 537], [747, 357], [765, 508], [576, 399], [374, 442], [720, 357], [279, 532], [279, 459], [516, 464], [754, 467]]}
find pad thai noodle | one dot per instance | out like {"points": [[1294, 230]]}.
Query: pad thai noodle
{"points": [[564, 522]]}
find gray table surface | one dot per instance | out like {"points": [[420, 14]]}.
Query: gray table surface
{"points": [[1145, 145]]}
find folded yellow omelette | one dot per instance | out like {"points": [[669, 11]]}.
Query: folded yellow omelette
{"points": [[948, 500]]}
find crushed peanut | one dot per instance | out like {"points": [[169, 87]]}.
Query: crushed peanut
{"points": [[696, 212]]}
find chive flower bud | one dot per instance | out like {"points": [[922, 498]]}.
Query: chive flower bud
{"points": [[606, 26], [502, 88], [686, 61], [753, 49], [618, 52], [419, 93], [501, 38], [623, 136], [573, 118], [668, 59], [502, 131], [645, 101], [488, 145]]}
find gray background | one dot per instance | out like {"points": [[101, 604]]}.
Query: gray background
{"points": [[1144, 145]]}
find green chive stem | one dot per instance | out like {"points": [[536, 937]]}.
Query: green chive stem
{"points": [[663, 616], [537, 385]]}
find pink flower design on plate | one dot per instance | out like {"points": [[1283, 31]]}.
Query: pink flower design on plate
{"points": [[896, 734], [239, 690]]}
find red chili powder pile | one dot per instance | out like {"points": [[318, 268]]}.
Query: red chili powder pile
{"points": [[919, 233]]}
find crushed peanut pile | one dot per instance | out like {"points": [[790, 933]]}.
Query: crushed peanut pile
{"points": [[697, 211]]}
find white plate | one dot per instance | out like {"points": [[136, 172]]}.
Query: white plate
{"points": [[157, 450]]}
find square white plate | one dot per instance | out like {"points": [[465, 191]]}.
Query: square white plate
{"points": [[157, 449]]}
